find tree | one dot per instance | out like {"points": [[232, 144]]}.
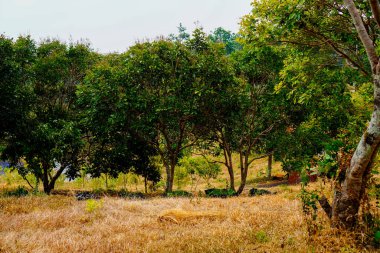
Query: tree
{"points": [[238, 104], [348, 194], [350, 33], [218, 99], [318, 106], [110, 118], [16, 61], [162, 72], [49, 139], [228, 38], [261, 110]]}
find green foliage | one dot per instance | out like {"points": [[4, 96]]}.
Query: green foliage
{"points": [[16, 64], [109, 114], [309, 202], [377, 237], [220, 193], [200, 167], [49, 136], [262, 237], [326, 84], [20, 191], [93, 206], [180, 176], [179, 193], [258, 192], [227, 38]]}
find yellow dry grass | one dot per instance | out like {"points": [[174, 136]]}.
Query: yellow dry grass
{"points": [[179, 215], [272, 223]]}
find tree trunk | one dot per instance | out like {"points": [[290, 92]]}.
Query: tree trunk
{"points": [[349, 191], [243, 181], [269, 169], [232, 177], [146, 184], [243, 171], [169, 187], [230, 168], [170, 177], [45, 178], [228, 159], [348, 194]]}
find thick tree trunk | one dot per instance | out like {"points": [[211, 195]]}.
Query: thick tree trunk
{"points": [[348, 194], [243, 182], [230, 168], [232, 177], [169, 187], [228, 162], [269, 169], [170, 177], [146, 184], [244, 172], [45, 179]]}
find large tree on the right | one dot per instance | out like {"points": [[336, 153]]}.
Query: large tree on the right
{"points": [[349, 31]]}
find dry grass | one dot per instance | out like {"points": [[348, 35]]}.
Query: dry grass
{"points": [[271, 223], [179, 216]]}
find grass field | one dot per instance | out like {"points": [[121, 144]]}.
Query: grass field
{"points": [[269, 223], [272, 223]]}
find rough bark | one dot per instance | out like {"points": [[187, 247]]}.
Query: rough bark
{"points": [[145, 184], [375, 7], [45, 178], [362, 33], [325, 206], [227, 158], [348, 193], [230, 168], [170, 167], [232, 177], [269, 169], [169, 183], [244, 164]]}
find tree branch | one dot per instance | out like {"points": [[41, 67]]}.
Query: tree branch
{"points": [[363, 35], [259, 157], [325, 206], [375, 7]]}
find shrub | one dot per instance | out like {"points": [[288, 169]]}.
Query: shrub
{"points": [[179, 193], [200, 167], [258, 192], [132, 195], [220, 193], [261, 237], [20, 191], [93, 205]]}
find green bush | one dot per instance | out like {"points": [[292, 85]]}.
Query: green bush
{"points": [[258, 192], [179, 193], [220, 193], [262, 237], [131, 195], [18, 192], [93, 205], [199, 167]]}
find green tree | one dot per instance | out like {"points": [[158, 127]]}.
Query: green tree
{"points": [[49, 139], [110, 118], [228, 38], [16, 61], [348, 33], [162, 72]]}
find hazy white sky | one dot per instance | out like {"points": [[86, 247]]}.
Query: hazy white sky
{"points": [[114, 25]]}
